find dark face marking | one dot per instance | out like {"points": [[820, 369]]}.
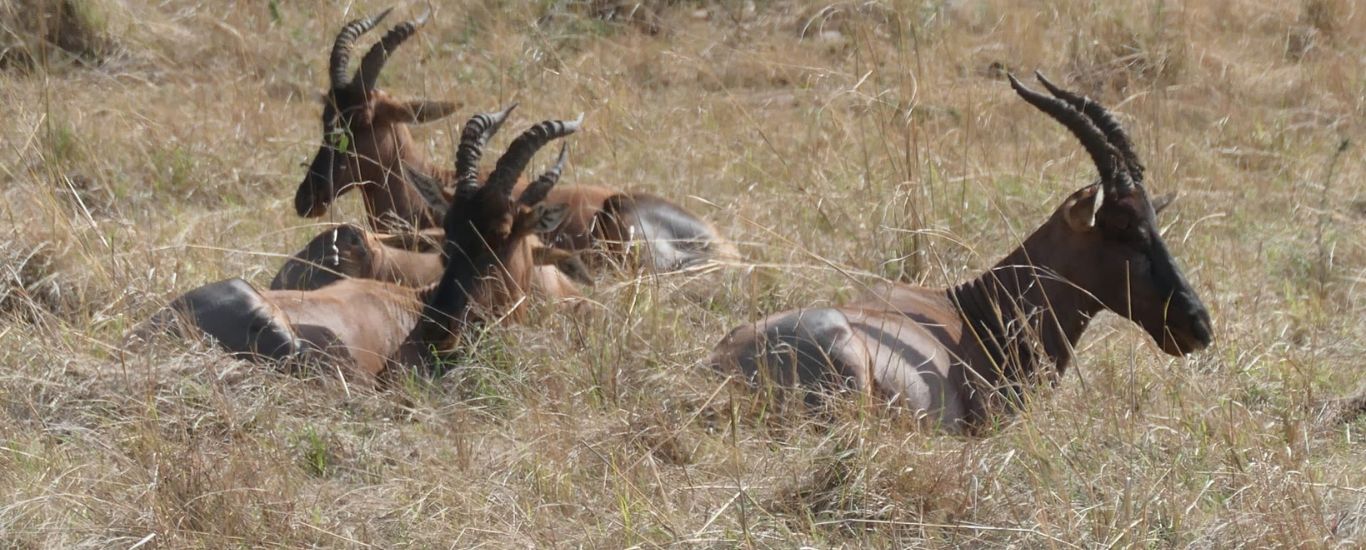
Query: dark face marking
{"points": [[1138, 277], [334, 169]]}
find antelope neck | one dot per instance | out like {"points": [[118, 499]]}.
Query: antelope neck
{"points": [[428, 186], [409, 191], [1021, 314], [444, 307]]}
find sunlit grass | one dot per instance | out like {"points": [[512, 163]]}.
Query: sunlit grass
{"points": [[835, 143]]}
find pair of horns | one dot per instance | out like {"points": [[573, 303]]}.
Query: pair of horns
{"points": [[476, 134], [373, 62], [1099, 132], [464, 268]]}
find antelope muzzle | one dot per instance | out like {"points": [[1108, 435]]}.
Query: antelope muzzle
{"points": [[316, 192]]}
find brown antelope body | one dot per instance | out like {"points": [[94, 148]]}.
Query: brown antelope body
{"points": [[414, 260], [365, 324], [528, 269], [349, 252], [367, 145], [953, 354]]}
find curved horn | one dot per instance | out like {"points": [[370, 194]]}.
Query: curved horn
{"points": [[514, 161], [373, 62], [478, 129], [1102, 153], [1114, 133], [341, 49], [538, 189]]}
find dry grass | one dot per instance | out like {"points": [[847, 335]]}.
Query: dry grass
{"points": [[873, 136]]}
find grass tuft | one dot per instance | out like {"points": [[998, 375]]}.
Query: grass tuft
{"points": [[837, 143]]}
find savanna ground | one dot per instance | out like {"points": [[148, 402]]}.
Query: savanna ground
{"points": [[151, 147]]}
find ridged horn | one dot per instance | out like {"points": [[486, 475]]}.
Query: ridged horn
{"points": [[1114, 132], [373, 62], [514, 161], [478, 129], [341, 49], [1102, 153], [538, 189]]}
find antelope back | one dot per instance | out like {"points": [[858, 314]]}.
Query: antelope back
{"points": [[652, 232]]}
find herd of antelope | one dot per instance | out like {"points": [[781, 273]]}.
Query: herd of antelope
{"points": [[445, 248]]}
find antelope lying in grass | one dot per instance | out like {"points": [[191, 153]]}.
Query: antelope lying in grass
{"points": [[955, 354], [367, 145], [349, 251], [408, 259], [365, 324], [413, 259]]}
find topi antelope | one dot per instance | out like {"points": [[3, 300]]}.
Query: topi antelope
{"points": [[406, 259], [366, 324], [367, 145], [954, 354]]}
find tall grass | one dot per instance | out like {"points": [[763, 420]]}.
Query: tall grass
{"points": [[837, 143]]}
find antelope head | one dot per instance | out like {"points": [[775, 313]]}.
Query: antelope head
{"points": [[364, 129], [1105, 237], [506, 222], [484, 226]]}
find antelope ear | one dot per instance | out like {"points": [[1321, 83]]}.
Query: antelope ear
{"points": [[549, 216], [1081, 208], [1161, 202], [421, 111]]}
